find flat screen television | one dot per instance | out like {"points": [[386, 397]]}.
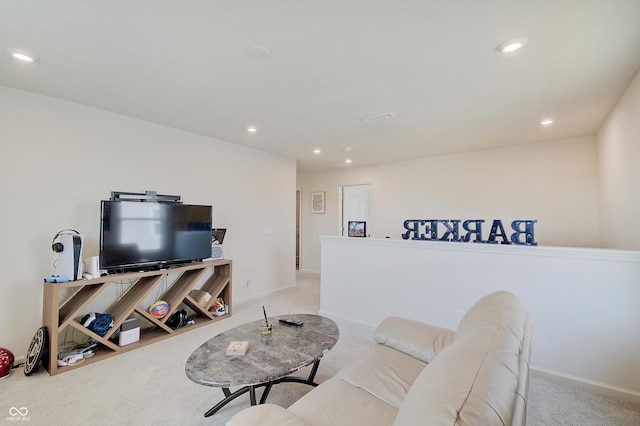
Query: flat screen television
{"points": [[140, 235]]}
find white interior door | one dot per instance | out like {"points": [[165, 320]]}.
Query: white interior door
{"points": [[356, 206]]}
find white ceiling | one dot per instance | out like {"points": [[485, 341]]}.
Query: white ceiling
{"points": [[433, 64]]}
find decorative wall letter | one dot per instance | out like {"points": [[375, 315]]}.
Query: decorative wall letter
{"points": [[528, 233], [473, 227]]}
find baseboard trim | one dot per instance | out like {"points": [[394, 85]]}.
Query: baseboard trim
{"points": [[345, 320], [262, 295], [588, 385]]}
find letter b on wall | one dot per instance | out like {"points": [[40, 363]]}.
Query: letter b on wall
{"points": [[529, 240]]}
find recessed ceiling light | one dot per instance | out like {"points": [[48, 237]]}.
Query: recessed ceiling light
{"points": [[251, 129], [22, 55], [546, 122], [512, 45], [259, 52], [347, 149], [317, 151], [348, 161]]}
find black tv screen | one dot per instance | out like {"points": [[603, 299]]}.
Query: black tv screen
{"points": [[138, 235]]}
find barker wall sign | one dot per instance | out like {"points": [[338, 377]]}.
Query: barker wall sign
{"points": [[455, 230]]}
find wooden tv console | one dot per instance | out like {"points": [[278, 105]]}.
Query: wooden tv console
{"points": [[212, 276]]}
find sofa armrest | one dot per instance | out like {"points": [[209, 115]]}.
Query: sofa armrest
{"points": [[418, 339], [266, 415]]}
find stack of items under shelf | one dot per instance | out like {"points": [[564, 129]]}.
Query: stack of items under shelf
{"points": [[218, 307], [71, 354]]}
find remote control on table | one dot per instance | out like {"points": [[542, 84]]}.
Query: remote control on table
{"points": [[289, 321]]}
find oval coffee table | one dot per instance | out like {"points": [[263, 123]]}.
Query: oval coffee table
{"points": [[269, 360]]}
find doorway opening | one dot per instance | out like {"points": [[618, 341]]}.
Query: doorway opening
{"points": [[355, 206]]}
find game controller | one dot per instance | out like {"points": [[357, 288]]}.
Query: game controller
{"points": [[55, 279]]}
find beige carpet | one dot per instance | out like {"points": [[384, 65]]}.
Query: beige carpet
{"points": [[148, 386]]}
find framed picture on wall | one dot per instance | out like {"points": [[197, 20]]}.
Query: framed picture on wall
{"points": [[317, 202], [357, 229]]}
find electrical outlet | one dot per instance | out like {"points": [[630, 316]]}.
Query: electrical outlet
{"points": [[248, 280]]}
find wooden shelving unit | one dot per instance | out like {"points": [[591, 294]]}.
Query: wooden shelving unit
{"points": [[57, 317]]}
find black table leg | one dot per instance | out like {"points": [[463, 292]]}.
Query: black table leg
{"points": [[252, 394], [314, 370], [308, 381], [267, 389], [230, 396]]}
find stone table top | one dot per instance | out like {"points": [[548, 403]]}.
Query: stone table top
{"points": [[285, 351]]}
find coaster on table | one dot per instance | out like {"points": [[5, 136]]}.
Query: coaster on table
{"points": [[237, 348]]}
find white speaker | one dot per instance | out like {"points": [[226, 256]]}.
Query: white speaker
{"points": [[69, 263], [92, 266], [129, 332]]}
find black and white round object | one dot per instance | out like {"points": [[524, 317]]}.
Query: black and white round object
{"points": [[37, 349]]}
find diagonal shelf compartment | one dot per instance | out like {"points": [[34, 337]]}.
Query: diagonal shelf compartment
{"points": [[77, 302], [179, 289], [94, 336], [215, 285], [122, 308], [199, 310], [153, 320]]}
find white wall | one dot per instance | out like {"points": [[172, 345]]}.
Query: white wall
{"points": [[619, 157], [584, 303], [59, 159], [553, 182]]}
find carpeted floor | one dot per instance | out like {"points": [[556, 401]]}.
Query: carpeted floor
{"points": [[148, 385], [552, 403]]}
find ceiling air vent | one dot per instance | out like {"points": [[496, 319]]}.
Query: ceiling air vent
{"points": [[378, 117]]}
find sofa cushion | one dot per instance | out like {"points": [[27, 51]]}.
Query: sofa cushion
{"points": [[336, 402], [383, 372], [473, 381], [415, 338], [496, 309], [266, 415]]}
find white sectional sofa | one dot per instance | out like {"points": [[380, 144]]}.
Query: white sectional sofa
{"points": [[420, 374]]}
